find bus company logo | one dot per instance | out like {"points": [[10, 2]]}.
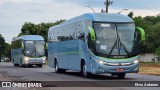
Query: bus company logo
{"points": [[6, 84]]}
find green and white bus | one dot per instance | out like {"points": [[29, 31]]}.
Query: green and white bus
{"points": [[28, 50]]}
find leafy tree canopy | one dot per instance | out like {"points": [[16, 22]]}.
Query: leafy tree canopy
{"points": [[37, 29]]}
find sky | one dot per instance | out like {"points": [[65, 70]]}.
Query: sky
{"points": [[14, 13]]}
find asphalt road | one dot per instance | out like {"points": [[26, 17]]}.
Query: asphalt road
{"points": [[10, 73]]}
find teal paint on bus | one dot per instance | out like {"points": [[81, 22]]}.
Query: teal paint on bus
{"points": [[98, 42], [28, 50]]}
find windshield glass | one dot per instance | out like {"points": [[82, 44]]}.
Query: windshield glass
{"points": [[106, 37], [114, 39], [34, 48], [126, 35]]}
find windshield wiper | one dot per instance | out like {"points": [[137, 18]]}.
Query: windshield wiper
{"points": [[125, 49], [112, 48], [37, 51], [32, 52]]}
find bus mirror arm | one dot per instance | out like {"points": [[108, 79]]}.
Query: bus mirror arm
{"points": [[142, 32]]}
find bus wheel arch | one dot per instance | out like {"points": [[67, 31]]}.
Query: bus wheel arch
{"points": [[83, 69], [14, 63], [57, 69], [55, 61], [55, 65], [21, 63]]}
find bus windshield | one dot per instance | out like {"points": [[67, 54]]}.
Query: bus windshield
{"points": [[34, 48], [114, 39]]}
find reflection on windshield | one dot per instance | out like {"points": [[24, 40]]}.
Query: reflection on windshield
{"points": [[126, 34], [34, 48], [114, 39], [106, 37]]}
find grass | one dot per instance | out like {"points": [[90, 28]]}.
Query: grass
{"points": [[46, 63], [149, 68]]}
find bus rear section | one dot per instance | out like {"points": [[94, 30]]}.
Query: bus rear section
{"points": [[28, 50]]}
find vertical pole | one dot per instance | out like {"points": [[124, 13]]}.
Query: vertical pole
{"points": [[107, 4]]}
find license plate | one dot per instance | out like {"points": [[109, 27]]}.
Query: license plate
{"points": [[119, 69]]}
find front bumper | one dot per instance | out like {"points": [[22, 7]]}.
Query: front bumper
{"points": [[33, 61], [100, 68]]}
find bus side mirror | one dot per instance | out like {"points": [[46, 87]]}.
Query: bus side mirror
{"points": [[22, 45], [142, 33], [92, 34], [46, 46]]}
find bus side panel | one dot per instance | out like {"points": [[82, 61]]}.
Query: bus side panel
{"points": [[53, 48], [71, 53], [17, 55], [62, 56]]}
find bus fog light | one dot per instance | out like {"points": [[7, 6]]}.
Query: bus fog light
{"points": [[26, 62], [101, 69]]}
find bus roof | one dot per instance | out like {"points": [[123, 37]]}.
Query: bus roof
{"points": [[103, 17], [29, 37]]}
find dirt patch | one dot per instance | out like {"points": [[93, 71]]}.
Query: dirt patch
{"points": [[5, 77], [156, 65], [150, 68]]}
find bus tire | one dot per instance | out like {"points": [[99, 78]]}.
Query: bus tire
{"points": [[22, 65], [40, 65], [16, 64], [121, 75], [84, 72], [58, 70]]}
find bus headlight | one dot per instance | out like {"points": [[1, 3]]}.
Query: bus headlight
{"points": [[26, 58], [43, 59], [136, 61], [101, 62]]}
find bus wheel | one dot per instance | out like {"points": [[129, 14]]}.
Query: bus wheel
{"points": [[57, 70], [40, 65], [121, 75], [22, 65], [84, 72], [16, 64]]}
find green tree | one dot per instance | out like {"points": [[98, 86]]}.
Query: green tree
{"points": [[27, 28], [38, 29], [2, 45], [151, 25], [130, 14], [157, 53], [7, 51]]}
